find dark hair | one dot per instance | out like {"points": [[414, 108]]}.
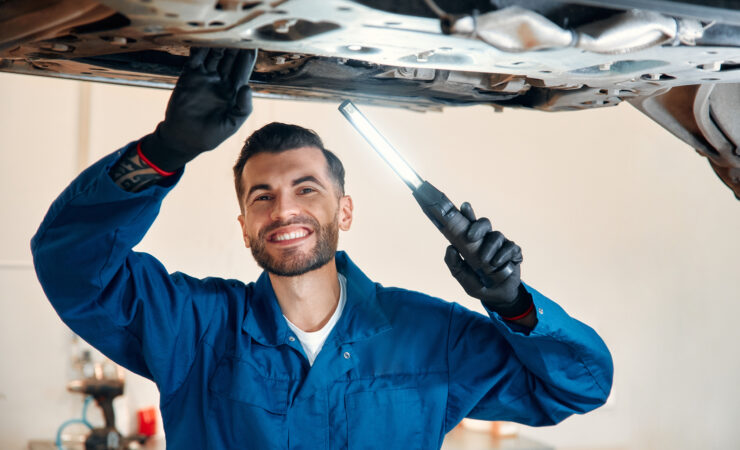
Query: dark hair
{"points": [[278, 137]]}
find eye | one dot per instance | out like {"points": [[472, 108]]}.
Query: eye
{"points": [[306, 190], [261, 198]]}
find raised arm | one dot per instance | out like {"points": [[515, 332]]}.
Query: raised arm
{"points": [[528, 361], [124, 302], [535, 377]]}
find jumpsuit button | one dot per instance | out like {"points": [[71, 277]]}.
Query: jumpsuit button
{"points": [[291, 339], [541, 311], [346, 355]]}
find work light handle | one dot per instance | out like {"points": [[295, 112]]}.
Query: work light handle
{"points": [[454, 226]]}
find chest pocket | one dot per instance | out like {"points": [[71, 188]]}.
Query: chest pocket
{"points": [[385, 419], [248, 407]]}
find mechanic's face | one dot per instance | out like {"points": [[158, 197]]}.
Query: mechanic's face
{"points": [[292, 211]]}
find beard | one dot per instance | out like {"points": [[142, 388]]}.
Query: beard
{"points": [[293, 262]]}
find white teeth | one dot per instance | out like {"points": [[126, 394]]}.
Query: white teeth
{"points": [[291, 235]]}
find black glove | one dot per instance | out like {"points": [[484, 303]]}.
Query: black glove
{"points": [[508, 297], [210, 102]]}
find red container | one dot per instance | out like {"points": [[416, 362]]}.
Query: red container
{"points": [[147, 421]]}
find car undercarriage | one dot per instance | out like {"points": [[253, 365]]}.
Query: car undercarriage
{"points": [[676, 61]]}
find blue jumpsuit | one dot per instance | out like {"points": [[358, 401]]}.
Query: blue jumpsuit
{"points": [[399, 370]]}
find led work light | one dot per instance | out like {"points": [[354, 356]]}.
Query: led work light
{"points": [[440, 210]]}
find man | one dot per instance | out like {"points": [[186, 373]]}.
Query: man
{"points": [[313, 355]]}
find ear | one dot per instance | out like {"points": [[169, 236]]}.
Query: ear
{"points": [[240, 218], [345, 212]]}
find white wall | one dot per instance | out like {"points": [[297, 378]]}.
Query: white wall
{"points": [[622, 224]]}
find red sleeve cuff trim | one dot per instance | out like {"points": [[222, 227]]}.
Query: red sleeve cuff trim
{"points": [[520, 316], [151, 164]]}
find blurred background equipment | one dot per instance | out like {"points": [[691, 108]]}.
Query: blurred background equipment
{"points": [[102, 382]]}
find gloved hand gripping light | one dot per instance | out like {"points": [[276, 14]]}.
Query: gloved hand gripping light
{"points": [[440, 210]]}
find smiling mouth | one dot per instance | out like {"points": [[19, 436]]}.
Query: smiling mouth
{"points": [[289, 235]]}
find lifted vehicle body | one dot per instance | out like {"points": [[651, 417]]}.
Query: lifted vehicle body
{"points": [[676, 61]]}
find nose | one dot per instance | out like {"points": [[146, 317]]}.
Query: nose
{"points": [[284, 208]]}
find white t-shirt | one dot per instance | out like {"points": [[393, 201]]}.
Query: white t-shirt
{"points": [[314, 340]]}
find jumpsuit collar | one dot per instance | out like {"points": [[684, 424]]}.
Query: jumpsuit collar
{"points": [[362, 316]]}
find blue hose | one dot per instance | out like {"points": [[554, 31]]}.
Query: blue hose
{"points": [[82, 420]]}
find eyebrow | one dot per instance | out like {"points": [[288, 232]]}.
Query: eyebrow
{"points": [[310, 178], [266, 187]]}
